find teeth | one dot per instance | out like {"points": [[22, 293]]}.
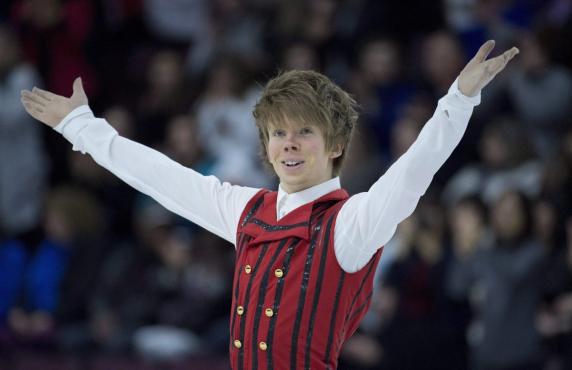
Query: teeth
{"points": [[291, 163]]}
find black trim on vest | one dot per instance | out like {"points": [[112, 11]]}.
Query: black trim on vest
{"points": [[369, 270], [244, 240], [334, 314], [247, 294], [268, 227], [302, 295], [253, 210], [277, 299], [325, 247], [363, 305], [260, 303]]}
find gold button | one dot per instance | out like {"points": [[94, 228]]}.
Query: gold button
{"points": [[269, 312], [278, 273], [262, 346], [248, 269], [237, 343], [240, 310]]}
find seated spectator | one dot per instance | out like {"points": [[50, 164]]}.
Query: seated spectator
{"points": [[380, 86], [226, 126], [506, 163], [503, 279], [23, 162], [540, 92], [554, 319], [414, 313], [32, 277], [166, 93], [441, 59]]}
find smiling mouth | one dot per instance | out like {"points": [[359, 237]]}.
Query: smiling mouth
{"points": [[292, 163]]}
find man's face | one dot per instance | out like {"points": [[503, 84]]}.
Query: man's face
{"points": [[299, 156]]}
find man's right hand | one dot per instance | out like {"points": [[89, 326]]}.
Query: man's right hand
{"points": [[50, 108]]}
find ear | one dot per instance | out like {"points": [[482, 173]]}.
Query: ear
{"points": [[337, 151]]}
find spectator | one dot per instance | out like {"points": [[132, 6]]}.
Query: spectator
{"points": [[380, 87], [166, 93], [554, 319], [506, 163], [540, 92], [33, 276], [54, 37], [441, 60], [226, 126], [507, 275], [23, 162]]}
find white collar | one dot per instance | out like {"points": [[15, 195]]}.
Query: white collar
{"points": [[285, 203]]}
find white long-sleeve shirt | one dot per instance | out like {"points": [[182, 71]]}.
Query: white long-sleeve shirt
{"points": [[365, 222]]}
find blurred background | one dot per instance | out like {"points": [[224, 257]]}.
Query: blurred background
{"points": [[96, 276]]}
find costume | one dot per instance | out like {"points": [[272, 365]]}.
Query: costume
{"points": [[293, 305], [365, 222]]}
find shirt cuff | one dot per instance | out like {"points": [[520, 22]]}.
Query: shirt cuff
{"points": [[459, 100], [68, 129]]}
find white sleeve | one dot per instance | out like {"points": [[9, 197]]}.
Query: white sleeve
{"points": [[203, 200], [368, 220]]}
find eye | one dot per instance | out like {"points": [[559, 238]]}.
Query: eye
{"points": [[278, 133], [306, 131]]}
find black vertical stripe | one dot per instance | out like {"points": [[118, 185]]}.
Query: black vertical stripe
{"points": [[260, 302], [322, 267], [361, 307], [277, 299], [247, 294], [323, 206], [302, 295], [245, 239], [350, 309], [239, 252], [253, 210], [333, 319]]}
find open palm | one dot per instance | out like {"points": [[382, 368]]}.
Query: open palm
{"points": [[50, 108], [480, 70]]}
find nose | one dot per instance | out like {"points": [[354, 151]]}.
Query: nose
{"points": [[290, 145]]}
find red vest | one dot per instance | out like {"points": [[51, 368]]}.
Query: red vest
{"points": [[293, 306]]}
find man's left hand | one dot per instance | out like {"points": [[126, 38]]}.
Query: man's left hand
{"points": [[480, 71]]}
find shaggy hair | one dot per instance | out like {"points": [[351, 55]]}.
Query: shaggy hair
{"points": [[307, 98]]}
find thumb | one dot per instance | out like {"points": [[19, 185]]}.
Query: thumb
{"points": [[78, 92]]}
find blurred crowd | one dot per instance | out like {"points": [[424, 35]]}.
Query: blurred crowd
{"points": [[479, 277]]}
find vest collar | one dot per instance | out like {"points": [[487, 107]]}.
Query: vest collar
{"points": [[286, 203], [265, 227]]}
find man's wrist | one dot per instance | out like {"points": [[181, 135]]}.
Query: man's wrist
{"points": [[462, 98], [79, 111]]}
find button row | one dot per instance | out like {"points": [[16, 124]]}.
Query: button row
{"points": [[262, 345], [269, 312], [278, 272]]}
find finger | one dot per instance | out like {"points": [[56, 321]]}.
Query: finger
{"points": [[49, 96], [500, 62], [77, 85], [484, 51], [33, 97], [78, 91], [511, 53], [32, 105], [34, 109]]}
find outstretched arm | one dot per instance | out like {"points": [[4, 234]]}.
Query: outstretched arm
{"points": [[368, 220], [201, 199]]}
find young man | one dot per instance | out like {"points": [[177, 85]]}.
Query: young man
{"points": [[305, 253]]}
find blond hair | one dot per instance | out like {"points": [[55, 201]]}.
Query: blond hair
{"points": [[307, 97]]}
